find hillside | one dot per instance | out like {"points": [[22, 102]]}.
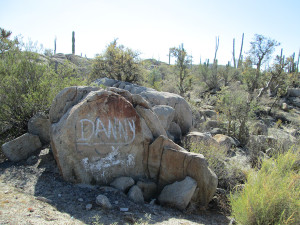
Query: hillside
{"points": [[242, 120]]}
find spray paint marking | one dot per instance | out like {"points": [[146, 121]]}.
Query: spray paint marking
{"points": [[117, 132]]}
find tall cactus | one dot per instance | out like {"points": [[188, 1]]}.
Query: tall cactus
{"points": [[240, 61], [233, 54], [73, 42], [298, 61], [55, 45], [217, 47]]}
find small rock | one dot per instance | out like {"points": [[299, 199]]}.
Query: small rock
{"points": [[210, 124], [148, 189], [59, 195], [123, 183], [88, 206], [108, 189], [285, 107], [21, 147], [152, 202], [32, 160], [39, 125], [178, 194], [208, 113], [124, 209], [293, 92], [80, 199], [224, 141], [103, 201], [43, 199], [86, 186], [215, 131], [135, 194]]}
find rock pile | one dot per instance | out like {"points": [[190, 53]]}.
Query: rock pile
{"points": [[182, 111], [98, 136], [26, 145]]}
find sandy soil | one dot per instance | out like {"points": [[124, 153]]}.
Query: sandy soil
{"points": [[33, 192]]}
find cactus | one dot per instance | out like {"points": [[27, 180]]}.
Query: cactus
{"points": [[73, 42], [55, 45], [206, 63], [233, 54], [241, 56], [217, 47], [298, 61]]}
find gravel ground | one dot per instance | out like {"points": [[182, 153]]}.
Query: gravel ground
{"points": [[33, 192]]}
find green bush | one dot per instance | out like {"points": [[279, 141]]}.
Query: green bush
{"points": [[237, 109], [272, 194], [155, 79], [27, 86], [119, 63], [209, 75]]}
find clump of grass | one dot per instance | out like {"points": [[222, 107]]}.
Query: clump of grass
{"points": [[272, 194], [229, 174]]}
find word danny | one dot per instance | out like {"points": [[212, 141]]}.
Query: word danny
{"points": [[114, 132]]}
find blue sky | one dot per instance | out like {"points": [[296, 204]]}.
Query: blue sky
{"points": [[152, 27]]}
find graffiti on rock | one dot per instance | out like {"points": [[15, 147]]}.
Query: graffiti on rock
{"points": [[100, 140], [114, 132]]}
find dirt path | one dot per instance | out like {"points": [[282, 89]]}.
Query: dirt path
{"points": [[36, 194]]}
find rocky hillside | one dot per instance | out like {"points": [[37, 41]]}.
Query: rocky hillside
{"points": [[155, 142]]}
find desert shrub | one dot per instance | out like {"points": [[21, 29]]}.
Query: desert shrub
{"points": [[118, 62], [272, 194], [237, 109], [27, 86], [155, 79], [182, 69], [229, 174], [209, 75]]}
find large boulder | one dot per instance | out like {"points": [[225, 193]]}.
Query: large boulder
{"points": [[97, 139], [99, 135], [165, 114], [293, 92], [168, 162], [21, 147], [183, 113], [66, 99], [194, 138]]}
